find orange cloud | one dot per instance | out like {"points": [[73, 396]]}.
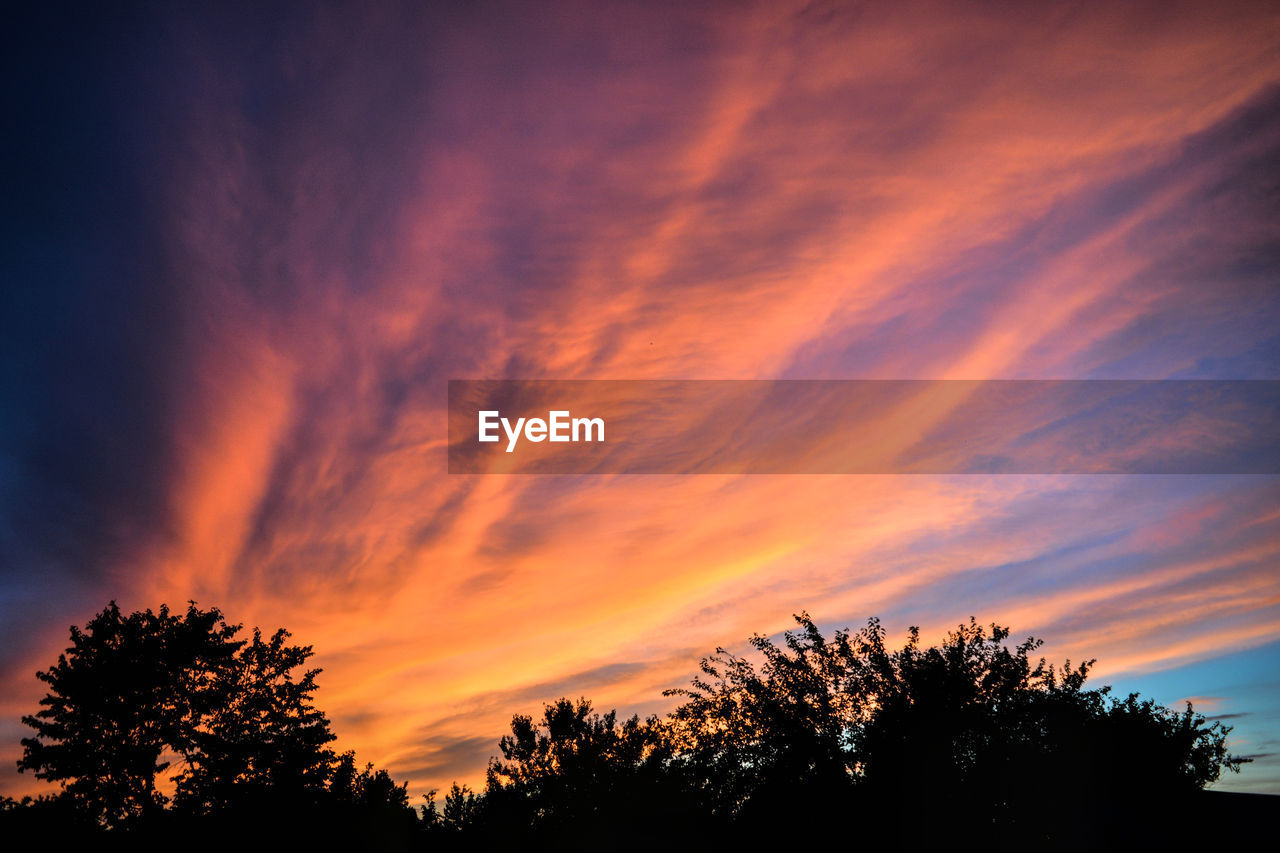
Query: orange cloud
{"points": [[913, 192]]}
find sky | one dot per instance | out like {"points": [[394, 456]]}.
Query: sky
{"points": [[246, 248]]}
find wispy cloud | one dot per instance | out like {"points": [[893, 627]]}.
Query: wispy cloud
{"points": [[354, 208]]}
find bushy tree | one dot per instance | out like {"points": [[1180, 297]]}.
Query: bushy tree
{"points": [[576, 774], [767, 737], [134, 694], [367, 787], [974, 733], [368, 808], [975, 721], [128, 695], [461, 811], [972, 738], [264, 741]]}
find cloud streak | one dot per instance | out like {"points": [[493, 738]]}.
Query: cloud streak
{"points": [[343, 209]]}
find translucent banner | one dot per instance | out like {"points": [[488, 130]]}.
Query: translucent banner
{"points": [[864, 427]]}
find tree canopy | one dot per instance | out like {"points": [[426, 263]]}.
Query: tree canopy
{"points": [[574, 773], [159, 716], [157, 702], [976, 728], [129, 694]]}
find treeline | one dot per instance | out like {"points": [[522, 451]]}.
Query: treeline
{"points": [[972, 740]]}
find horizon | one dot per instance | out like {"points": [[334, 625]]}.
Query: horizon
{"points": [[250, 247]]}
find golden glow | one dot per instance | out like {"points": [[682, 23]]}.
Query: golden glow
{"points": [[768, 210]]}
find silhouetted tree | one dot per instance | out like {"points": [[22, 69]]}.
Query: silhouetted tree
{"points": [[263, 742], [973, 732], [575, 774], [128, 692], [368, 807], [972, 738], [135, 693], [49, 822], [461, 811], [777, 737], [367, 787], [988, 735]]}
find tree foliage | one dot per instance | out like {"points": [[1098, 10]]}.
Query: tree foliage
{"points": [[128, 695], [157, 717], [574, 772], [773, 734], [263, 739], [977, 728], [153, 697]]}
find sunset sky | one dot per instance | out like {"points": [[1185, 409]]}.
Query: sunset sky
{"points": [[247, 247]]}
